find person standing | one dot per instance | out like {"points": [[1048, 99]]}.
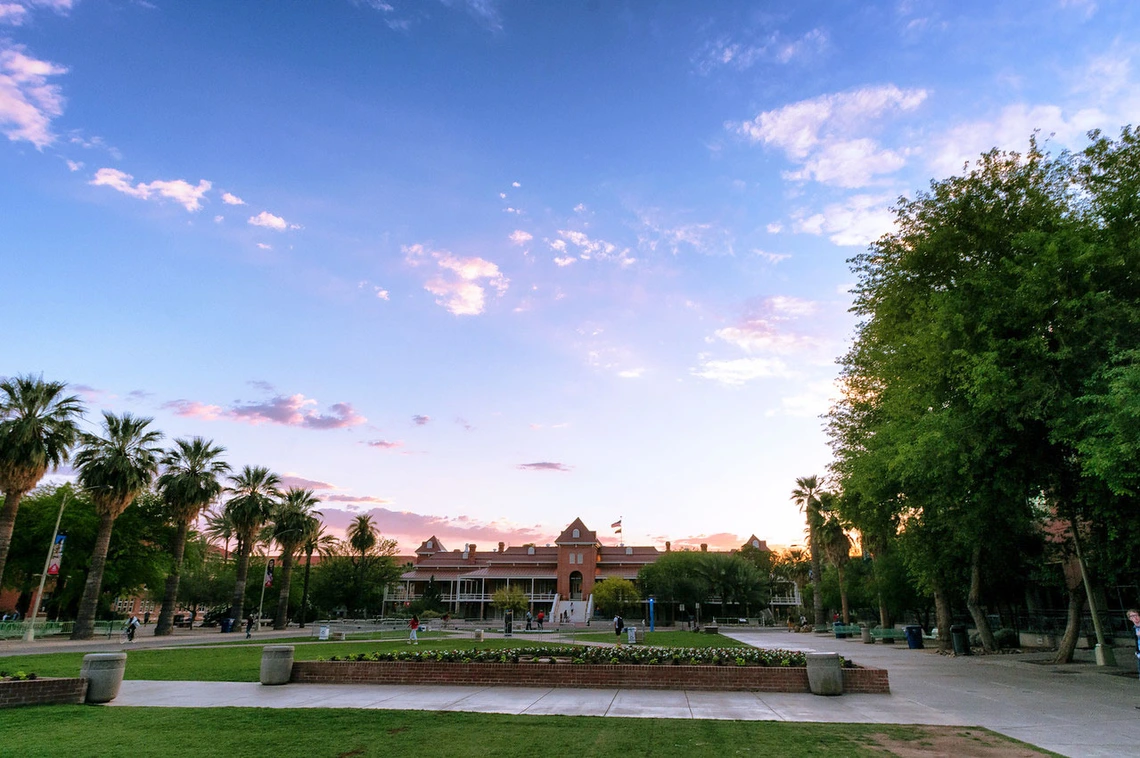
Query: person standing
{"points": [[541, 617], [414, 625], [619, 624], [528, 620], [1134, 617]]}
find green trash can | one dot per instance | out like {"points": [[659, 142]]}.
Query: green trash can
{"points": [[960, 639]]}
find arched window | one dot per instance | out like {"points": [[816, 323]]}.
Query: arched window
{"points": [[530, 551], [756, 544], [428, 545], [629, 551], [575, 534]]}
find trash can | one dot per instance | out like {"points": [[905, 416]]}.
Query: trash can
{"points": [[913, 636], [840, 631], [960, 639], [865, 632], [227, 626]]}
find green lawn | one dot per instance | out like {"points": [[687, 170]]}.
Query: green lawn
{"points": [[667, 639], [114, 732], [230, 663]]}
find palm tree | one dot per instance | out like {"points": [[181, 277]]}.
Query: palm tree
{"points": [[290, 523], [188, 484], [315, 540], [806, 496], [114, 469], [219, 527], [836, 545], [37, 431], [254, 493], [362, 535]]}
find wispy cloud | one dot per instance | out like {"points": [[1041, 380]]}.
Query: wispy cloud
{"points": [[519, 237], [28, 100], [194, 409], [231, 199], [189, 196], [857, 221], [412, 528], [740, 371], [459, 285], [292, 480], [267, 220], [356, 499], [727, 52], [384, 444], [543, 466], [420, 420], [589, 249], [826, 135]]}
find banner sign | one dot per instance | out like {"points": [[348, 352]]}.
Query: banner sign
{"points": [[269, 573], [56, 555]]}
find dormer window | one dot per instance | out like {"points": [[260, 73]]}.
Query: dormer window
{"points": [[530, 551], [428, 545], [756, 544], [576, 534], [629, 551]]}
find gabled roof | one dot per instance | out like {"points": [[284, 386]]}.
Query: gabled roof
{"points": [[754, 542], [431, 545], [585, 536]]}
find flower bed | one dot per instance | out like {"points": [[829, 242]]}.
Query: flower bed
{"points": [[597, 667], [20, 688]]}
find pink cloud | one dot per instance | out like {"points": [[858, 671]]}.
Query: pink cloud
{"points": [[384, 444], [543, 466], [297, 410], [291, 480], [410, 529], [194, 409], [355, 499], [718, 541]]}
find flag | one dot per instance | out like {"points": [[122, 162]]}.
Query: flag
{"points": [[616, 525], [56, 555], [269, 573]]}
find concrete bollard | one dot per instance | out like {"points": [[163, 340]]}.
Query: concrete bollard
{"points": [[276, 664], [825, 676], [104, 675]]}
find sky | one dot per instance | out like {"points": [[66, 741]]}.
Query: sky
{"points": [[478, 267]]}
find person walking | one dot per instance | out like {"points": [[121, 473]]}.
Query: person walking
{"points": [[540, 618], [132, 626], [619, 624], [249, 626], [1134, 617], [414, 625], [528, 620]]}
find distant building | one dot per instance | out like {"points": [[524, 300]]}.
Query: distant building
{"points": [[557, 578]]}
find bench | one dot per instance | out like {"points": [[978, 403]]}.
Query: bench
{"points": [[846, 630], [888, 635]]}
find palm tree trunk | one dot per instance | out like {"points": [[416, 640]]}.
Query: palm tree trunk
{"points": [[165, 623], [816, 575], [305, 589], [85, 619], [282, 616], [973, 601], [238, 605], [7, 524], [843, 595]]}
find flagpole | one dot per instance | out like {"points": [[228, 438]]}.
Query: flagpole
{"points": [[30, 632]]}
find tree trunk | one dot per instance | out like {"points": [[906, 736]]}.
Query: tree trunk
{"points": [[816, 576], [1072, 625], [973, 602], [843, 596], [85, 620], [305, 589], [238, 604], [942, 616], [7, 524], [165, 623], [282, 616]]}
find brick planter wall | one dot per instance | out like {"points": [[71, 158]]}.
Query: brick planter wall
{"points": [[42, 692], [722, 678]]}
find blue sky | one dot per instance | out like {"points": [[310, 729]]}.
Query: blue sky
{"points": [[479, 267]]}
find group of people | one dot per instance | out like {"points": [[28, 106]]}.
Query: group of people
{"points": [[540, 619]]}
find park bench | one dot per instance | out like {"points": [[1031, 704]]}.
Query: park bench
{"points": [[888, 635], [845, 630]]}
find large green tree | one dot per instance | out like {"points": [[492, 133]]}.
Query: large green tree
{"points": [[114, 469], [190, 481], [37, 430], [253, 495]]}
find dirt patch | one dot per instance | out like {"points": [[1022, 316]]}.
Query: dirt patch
{"points": [[953, 741]]}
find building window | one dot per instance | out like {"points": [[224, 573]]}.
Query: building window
{"points": [[530, 551], [575, 534], [580, 561], [428, 545], [629, 551], [756, 544]]}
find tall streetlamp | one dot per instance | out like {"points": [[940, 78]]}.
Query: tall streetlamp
{"points": [[30, 631]]}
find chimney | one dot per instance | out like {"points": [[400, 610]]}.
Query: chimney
{"points": [[668, 546], [704, 547], [501, 546]]}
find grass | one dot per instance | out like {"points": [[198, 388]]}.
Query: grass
{"points": [[229, 663], [667, 639], [114, 732]]}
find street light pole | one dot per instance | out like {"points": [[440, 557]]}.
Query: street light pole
{"points": [[30, 632]]}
